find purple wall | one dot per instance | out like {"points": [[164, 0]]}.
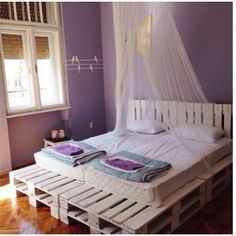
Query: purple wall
{"points": [[26, 135], [206, 30], [82, 29]]}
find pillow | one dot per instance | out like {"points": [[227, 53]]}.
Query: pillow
{"points": [[203, 133], [146, 126]]}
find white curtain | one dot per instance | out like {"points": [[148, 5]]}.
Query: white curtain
{"points": [[151, 61], [5, 155]]}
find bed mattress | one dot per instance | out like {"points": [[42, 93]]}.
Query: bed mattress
{"points": [[106, 142], [187, 163]]}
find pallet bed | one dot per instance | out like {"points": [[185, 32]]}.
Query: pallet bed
{"points": [[72, 200], [107, 213]]}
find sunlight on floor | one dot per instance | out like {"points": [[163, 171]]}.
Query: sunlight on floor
{"points": [[7, 192]]}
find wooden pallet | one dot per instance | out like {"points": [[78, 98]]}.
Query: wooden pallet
{"points": [[106, 212], [109, 213], [218, 177], [42, 186]]}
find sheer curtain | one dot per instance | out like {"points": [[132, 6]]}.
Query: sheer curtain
{"points": [[151, 61]]}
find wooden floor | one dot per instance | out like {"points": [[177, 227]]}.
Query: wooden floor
{"points": [[17, 216]]}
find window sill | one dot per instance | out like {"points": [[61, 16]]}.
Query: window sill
{"points": [[39, 112]]}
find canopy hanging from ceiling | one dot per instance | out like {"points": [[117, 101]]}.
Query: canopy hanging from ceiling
{"points": [[151, 61]]}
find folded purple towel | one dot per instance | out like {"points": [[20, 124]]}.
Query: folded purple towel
{"points": [[123, 164], [68, 149]]}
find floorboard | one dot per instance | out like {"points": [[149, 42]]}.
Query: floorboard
{"points": [[18, 217]]}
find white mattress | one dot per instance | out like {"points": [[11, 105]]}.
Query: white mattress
{"points": [[106, 142], [164, 146], [186, 165]]}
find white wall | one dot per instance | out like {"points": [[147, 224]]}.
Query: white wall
{"points": [[5, 154]]}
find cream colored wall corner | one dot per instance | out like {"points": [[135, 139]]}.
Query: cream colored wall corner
{"points": [[5, 154]]}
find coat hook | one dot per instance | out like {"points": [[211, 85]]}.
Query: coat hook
{"points": [[73, 59], [76, 59], [96, 60]]}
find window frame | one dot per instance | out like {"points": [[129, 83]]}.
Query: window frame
{"points": [[31, 29]]}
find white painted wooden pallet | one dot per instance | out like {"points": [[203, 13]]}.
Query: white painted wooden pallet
{"points": [[218, 177], [183, 113], [42, 186], [105, 212]]}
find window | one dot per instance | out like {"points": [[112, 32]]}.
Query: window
{"points": [[31, 58]]}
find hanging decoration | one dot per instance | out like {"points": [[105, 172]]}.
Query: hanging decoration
{"points": [[78, 65]]}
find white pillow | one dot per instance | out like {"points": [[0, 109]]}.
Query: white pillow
{"points": [[203, 133], [146, 126]]}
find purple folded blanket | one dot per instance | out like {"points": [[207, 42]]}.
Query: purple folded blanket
{"points": [[123, 164], [67, 149]]}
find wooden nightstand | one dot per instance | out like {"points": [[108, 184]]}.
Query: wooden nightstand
{"points": [[53, 142]]}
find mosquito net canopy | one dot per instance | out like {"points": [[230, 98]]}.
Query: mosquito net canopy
{"points": [[151, 61]]}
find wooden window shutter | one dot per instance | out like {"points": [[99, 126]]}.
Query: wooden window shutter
{"points": [[42, 47], [12, 46]]}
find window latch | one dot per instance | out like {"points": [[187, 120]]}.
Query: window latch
{"points": [[36, 68]]}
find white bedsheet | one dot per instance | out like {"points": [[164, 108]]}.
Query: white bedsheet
{"points": [[106, 142], [186, 165], [164, 146]]}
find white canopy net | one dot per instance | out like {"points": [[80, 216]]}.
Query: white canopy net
{"points": [[151, 61]]}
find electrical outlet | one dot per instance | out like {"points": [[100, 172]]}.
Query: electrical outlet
{"points": [[91, 124]]}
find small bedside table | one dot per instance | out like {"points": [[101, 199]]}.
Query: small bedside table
{"points": [[53, 142]]}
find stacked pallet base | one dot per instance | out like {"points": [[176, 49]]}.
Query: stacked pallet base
{"points": [[107, 213]]}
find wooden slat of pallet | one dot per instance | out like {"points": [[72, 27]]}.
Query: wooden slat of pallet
{"points": [[190, 113], [174, 198], [89, 201], [194, 200], [173, 113], [182, 119], [83, 217], [207, 109], [57, 184], [138, 109], [66, 187], [143, 109], [130, 212], [24, 170], [220, 165], [131, 110], [117, 209], [49, 181], [198, 113], [76, 212], [141, 218], [47, 201], [151, 110], [74, 192], [165, 111], [24, 174], [110, 229], [227, 110], [22, 187], [39, 179], [158, 110], [84, 195], [218, 115], [34, 175], [42, 196], [105, 204]]}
